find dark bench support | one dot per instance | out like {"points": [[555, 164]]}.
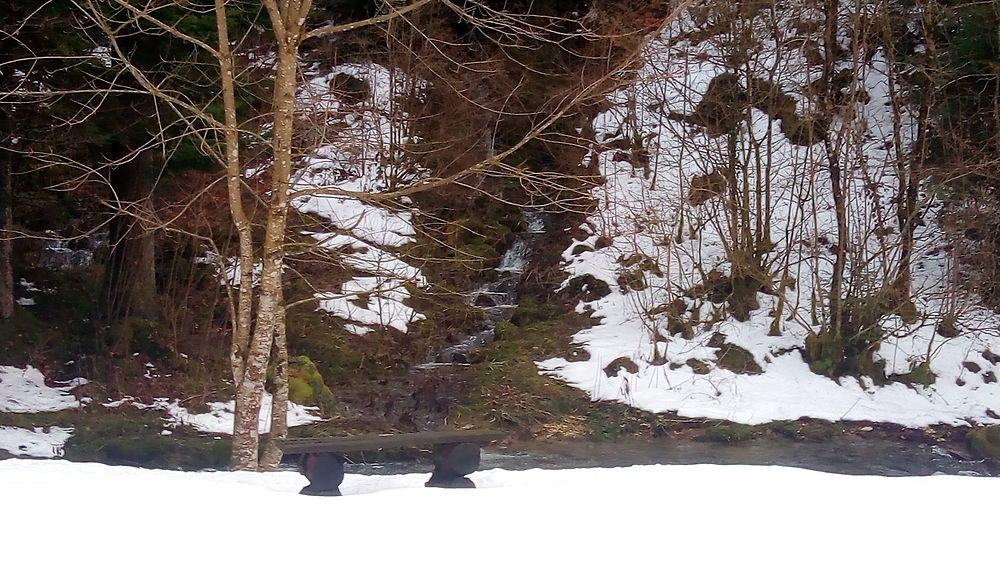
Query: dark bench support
{"points": [[452, 462], [456, 455], [325, 472]]}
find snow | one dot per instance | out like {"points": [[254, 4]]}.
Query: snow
{"points": [[24, 390], [646, 211], [34, 442], [361, 152], [640, 513], [220, 418]]}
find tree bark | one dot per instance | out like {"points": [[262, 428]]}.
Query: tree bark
{"points": [[279, 403], [6, 221], [249, 391], [241, 307], [130, 278], [832, 156]]}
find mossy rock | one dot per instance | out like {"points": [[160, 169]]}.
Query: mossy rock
{"points": [[504, 330], [737, 359], [984, 442], [616, 365], [728, 433], [577, 353], [588, 288], [698, 366], [921, 374]]}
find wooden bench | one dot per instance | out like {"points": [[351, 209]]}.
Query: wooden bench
{"points": [[456, 453]]}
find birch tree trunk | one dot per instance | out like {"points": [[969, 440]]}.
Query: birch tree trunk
{"points": [[287, 20], [279, 405], [241, 307]]}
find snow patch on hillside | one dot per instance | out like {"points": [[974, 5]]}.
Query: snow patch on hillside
{"points": [[24, 390], [219, 418], [45, 442], [361, 136], [653, 152]]}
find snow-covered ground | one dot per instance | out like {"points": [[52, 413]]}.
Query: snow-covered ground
{"points": [[57, 510], [24, 391], [650, 212]]}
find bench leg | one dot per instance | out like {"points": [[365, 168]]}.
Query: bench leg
{"points": [[452, 462], [325, 472]]}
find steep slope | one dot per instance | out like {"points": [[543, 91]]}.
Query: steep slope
{"points": [[744, 167]]}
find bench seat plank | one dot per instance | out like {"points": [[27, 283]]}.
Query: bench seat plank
{"points": [[371, 442]]}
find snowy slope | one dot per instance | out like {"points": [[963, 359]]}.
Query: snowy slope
{"points": [[359, 151], [655, 157]]}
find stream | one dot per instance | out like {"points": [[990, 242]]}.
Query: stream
{"points": [[849, 454]]}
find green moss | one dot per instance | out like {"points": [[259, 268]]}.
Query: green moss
{"points": [[299, 391], [532, 310], [504, 330], [613, 421], [737, 359], [786, 428], [984, 442], [729, 433], [306, 385], [587, 288], [921, 374]]}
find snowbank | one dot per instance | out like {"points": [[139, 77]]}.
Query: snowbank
{"points": [[642, 513]]}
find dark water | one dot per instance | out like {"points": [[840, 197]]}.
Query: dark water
{"points": [[848, 455]]}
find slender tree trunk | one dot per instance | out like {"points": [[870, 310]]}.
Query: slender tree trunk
{"points": [[241, 307], [249, 391], [279, 404], [832, 156], [6, 221]]}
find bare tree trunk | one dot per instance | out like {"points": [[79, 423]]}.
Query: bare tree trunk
{"points": [[241, 308], [249, 391], [832, 156], [130, 279], [279, 404], [6, 220]]}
